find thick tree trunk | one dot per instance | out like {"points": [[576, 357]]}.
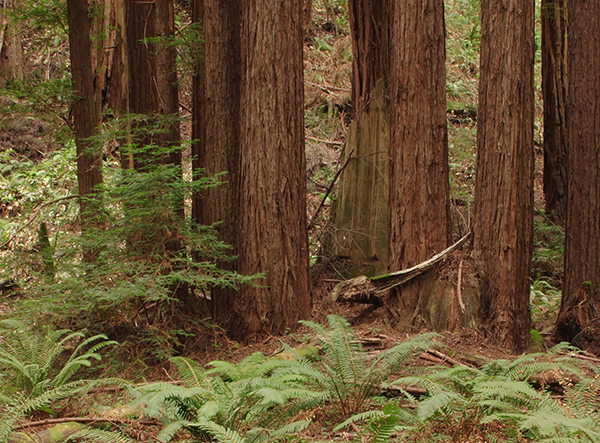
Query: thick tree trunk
{"points": [[152, 77], [554, 89], [272, 218], [581, 290], [502, 242], [369, 25], [85, 114], [361, 209], [199, 110], [419, 187], [218, 134], [11, 49]]}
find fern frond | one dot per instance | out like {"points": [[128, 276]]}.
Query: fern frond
{"points": [[168, 432], [361, 416], [99, 436], [220, 433], [439, 403], [190, 371], [291, 428], [516, 392], [549, 424], [432, 386], [21, 407], [342, 353]]}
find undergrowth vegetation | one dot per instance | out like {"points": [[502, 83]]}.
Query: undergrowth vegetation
{"points": [[551, 396]]}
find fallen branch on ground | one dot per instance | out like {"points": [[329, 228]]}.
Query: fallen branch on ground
{"points": [[370, 289]]}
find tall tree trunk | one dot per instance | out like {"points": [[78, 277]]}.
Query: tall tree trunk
{"points": [[361, 210], [581, 289], [272, 217], [503, 225], [554, 90], [86, 115], [199, 110], [152, 75], [11, 49], [369, 25], [419, 186], [218, 134]]}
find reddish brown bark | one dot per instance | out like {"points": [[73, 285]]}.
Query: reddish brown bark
{"points": [[418, 183], [502, 242], [581, 289], [369, 22], [554, 89], [272, 218], [152, 77], [249, 117], [218, 133], [86, 116]]}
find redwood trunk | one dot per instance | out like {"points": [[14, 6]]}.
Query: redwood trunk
{"points": [[581, 290], [152, 78], [502, 243], [85, 114], [369, 25], [217, 130], [272, 209], [419, 187], [554, 90], [361, 210]]}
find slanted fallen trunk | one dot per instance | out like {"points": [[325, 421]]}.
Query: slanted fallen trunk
{"points": [[370, 290]]}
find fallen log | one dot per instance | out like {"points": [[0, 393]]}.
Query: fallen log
{"points": [[369, 290]]}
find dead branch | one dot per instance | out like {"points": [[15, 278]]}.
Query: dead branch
{"points": [[337, 174], [370, 289], [327, 142], [447, 358], [55, 421]]}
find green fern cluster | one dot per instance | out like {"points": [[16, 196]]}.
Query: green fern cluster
{"points": [[248, 402], [37, 370], [346, 373], [30, 363], [462, 401]]}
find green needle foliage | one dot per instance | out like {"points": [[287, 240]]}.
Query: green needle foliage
{"points": [[346, 373], [248, 402], [153, 267]]}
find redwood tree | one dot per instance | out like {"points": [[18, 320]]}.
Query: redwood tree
{"points": [[418, 179], [554, 89], [86, 115], [361, 209], [249, 124], [152, 77], [581, 289], [218, 149], [503, 225], [272, 187]]}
